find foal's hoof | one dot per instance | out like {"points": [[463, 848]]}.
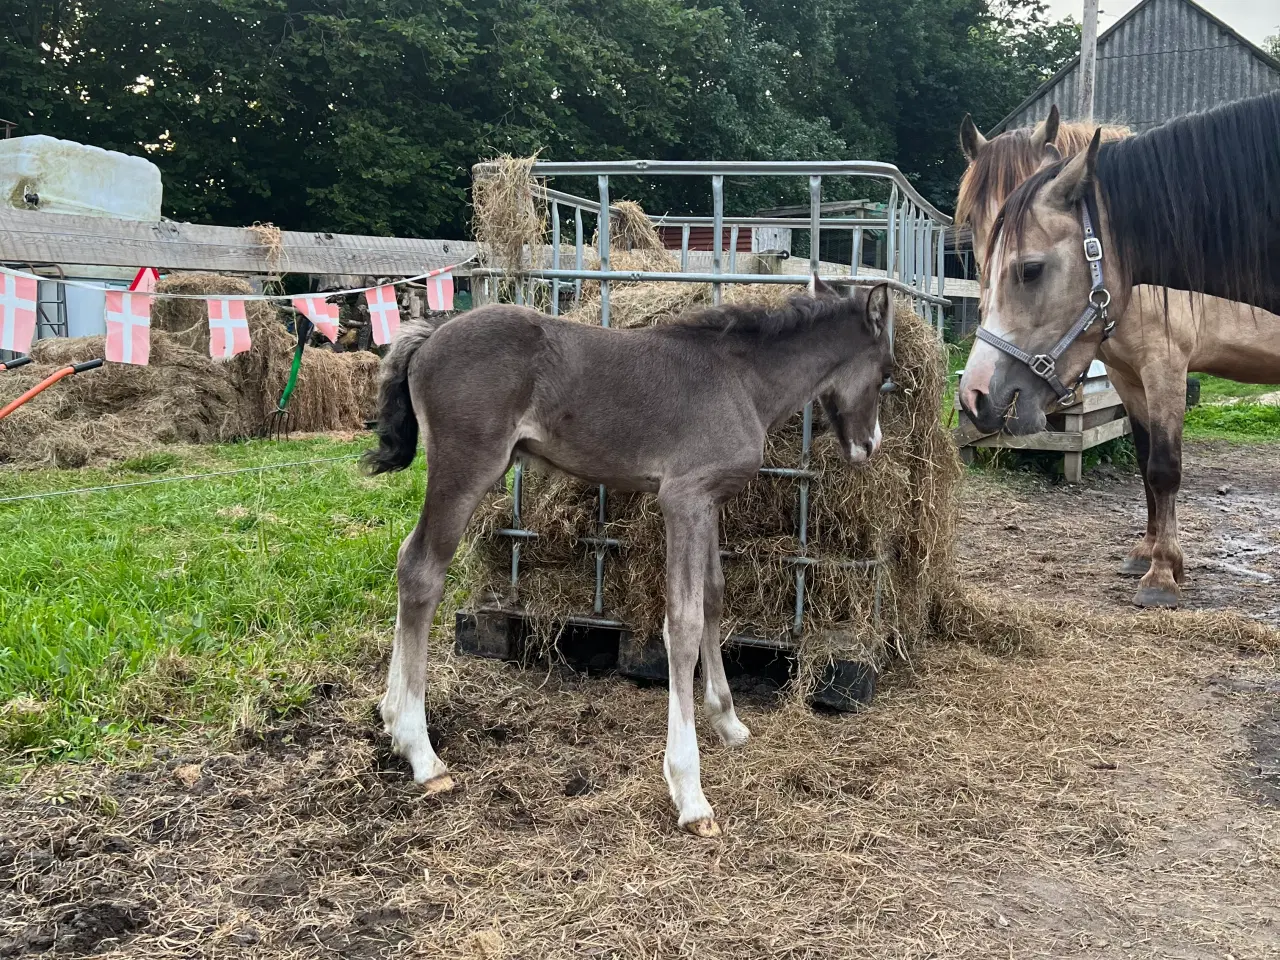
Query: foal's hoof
{"points": [[705, 828], [436, 785], [1135, 567], [1162, 597]]}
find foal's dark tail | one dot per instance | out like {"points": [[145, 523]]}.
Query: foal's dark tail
{"points": [[397, 424]]}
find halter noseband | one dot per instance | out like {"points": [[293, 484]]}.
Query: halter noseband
{"points": [[1045, 365]]}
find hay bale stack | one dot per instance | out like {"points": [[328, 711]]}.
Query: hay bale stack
{"points": [[183, 396]]}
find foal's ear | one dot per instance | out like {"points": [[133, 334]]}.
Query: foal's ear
{"points": [[971, 139], [879, 309], [1046, 130], [1069, 186], [819, 289]]}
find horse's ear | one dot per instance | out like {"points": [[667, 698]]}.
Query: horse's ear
{"points": [[818, 288], [971, 139], [1051, 156], [879, 309], [1046, 130], [1069, 186]]}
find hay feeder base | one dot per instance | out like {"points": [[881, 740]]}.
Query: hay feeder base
{"points": [[596, 645]]}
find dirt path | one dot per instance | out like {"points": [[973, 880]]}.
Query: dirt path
{"points": [[1033, 538], [1101, 795]]}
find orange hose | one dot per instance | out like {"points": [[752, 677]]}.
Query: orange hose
{"points": [[38, 388]]}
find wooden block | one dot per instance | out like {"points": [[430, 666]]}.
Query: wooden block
{"points": [[641, 659], [485, 633], [845, 685]]}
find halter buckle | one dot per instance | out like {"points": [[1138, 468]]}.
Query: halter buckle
{"points": [[1092, 249], [1043, 366]]}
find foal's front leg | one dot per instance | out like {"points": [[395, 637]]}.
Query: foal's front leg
{"points": [[689, 526]]}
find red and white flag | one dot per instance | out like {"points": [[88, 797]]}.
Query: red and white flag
{"points": [[145, 281], [228, 328], [384, 313], [323, 314], [440, 289], [17, 311], [128, 327]]}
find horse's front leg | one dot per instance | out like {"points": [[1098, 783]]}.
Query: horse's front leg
{"points": [[688, 522], [1134, 398], [1166, 404]]}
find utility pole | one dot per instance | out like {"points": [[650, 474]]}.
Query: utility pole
{"points": [[1088, 59]]}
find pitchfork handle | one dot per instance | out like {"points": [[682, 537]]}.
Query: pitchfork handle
{"points": [[87, 365]]}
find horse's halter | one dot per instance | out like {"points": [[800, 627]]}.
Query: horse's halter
{"points": [[1045, 365]]}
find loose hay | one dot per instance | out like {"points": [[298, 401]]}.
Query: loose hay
{"points": [[183, 396], [509, 217], [899, 511]]}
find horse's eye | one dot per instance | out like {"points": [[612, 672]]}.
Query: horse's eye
{"points": [[888, 386], [1029, 271]]}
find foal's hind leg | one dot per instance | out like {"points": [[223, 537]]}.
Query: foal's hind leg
{"points": [[689, 519], [458, 480], [719, 700]]}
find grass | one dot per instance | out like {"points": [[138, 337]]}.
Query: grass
{"points": [[218, 601]]}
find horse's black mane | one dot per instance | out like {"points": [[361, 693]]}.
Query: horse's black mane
{"points": [[799, 313], [1193, 204]]}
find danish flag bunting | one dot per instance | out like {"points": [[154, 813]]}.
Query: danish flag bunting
{"points": [[384, 313], [17, 311], [323, 314], [128, 327], [145, 281], [440, 289], [228, 328]]}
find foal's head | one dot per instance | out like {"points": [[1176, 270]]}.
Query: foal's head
{"points": [[851, 394]]}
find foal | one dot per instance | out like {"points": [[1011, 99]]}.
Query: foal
{"points": [[679, 410]]}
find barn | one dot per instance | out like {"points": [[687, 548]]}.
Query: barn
{"points": [[1162, 59]]}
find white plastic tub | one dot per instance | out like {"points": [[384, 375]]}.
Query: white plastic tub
{"points": [[65, 177]]}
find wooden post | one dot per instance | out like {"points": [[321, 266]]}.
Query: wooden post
{"points": [[1088, 59]]}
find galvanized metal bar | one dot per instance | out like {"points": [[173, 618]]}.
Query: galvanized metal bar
{"points": [[555, 257], [806, 448], [684, 248], [741, 168], [815, 223], [602, 235], [891, 232], [788, 472], [733, 250], [578, 252], [942, 275], [600, 550], [855, 260], [517, 491], [666, 220], [717, 231], [647, 276]]}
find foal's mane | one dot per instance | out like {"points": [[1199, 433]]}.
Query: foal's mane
{"points": [[1008, 159], [1195, 199], [767, 322]]}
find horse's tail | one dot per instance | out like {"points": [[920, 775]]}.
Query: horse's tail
{"points": [[397, 423]]}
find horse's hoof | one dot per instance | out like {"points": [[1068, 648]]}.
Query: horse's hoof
{"points": [[706, 828], [436, 785], [1135, 567], [1162, 597]]}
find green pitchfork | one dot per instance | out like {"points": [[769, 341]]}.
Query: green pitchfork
{"points": [[281, 420]]}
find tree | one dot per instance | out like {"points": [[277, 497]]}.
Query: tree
{"points": [[365, 115]]}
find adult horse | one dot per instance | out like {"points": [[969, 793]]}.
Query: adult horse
{"points": [[1191, 205], [679, 410]]}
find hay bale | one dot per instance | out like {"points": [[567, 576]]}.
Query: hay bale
{"points": [[183, 396]]}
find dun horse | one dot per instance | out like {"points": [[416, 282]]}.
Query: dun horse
{"points": [[1184, 206], [679, 410]]}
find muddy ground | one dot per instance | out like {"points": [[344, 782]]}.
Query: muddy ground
{"points": [[1112, 791]]}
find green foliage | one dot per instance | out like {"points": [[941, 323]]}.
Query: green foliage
{"points": [[220, 601], [366, 115], [1236, 422]]}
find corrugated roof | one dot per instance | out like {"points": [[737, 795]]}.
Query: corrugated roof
{"points": [[1162, 59]]}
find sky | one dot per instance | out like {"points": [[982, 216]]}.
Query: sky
{"points": [[1255, 19]]}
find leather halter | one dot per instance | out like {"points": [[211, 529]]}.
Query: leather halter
{"points": [[1045, 365]]}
